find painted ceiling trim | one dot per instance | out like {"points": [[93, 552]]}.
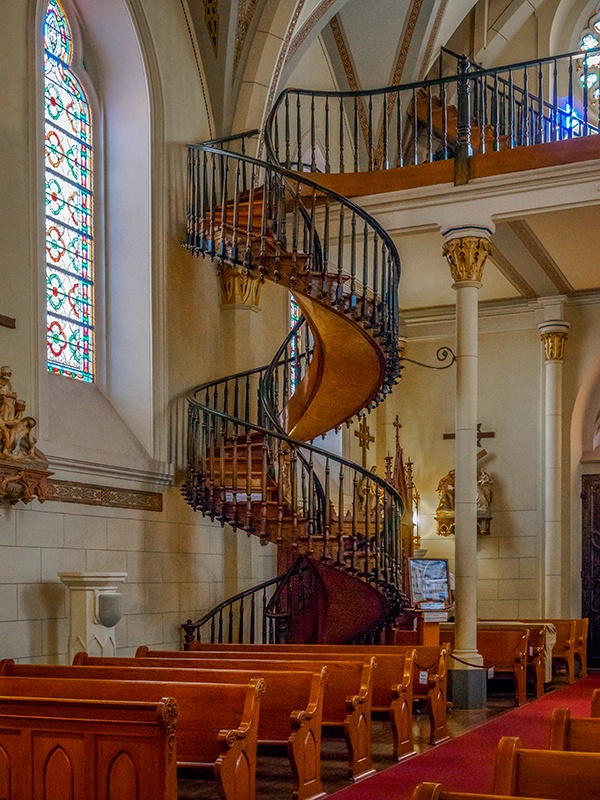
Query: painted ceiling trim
{"points": [[245, 14], [308, 27], [198, 68]]}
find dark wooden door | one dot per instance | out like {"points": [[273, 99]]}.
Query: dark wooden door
{"points": [[590, 564]]}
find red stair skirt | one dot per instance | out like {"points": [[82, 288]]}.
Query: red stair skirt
{"points": [[343, 607]]}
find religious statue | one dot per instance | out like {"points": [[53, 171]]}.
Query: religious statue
{"points": [[445, 492], [23, 468], [444, 513]]}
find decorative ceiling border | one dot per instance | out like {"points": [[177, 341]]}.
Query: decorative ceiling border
{"points": [[245, 13], [306, 29], [90, 494], [432, 38], [198, 68]]}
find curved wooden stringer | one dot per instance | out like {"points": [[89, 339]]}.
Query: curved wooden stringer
{"points": [[251, 461]]}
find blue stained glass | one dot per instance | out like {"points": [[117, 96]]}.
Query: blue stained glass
{"points": [[68, 198]]}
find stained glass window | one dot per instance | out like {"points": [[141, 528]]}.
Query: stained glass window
{"points": [[295, 347], [588, 69], [68, 182]]}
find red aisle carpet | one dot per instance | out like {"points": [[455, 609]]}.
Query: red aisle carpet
{"points": [[466, 763]]}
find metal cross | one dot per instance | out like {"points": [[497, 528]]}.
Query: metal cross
{"points": [[364, 437]]}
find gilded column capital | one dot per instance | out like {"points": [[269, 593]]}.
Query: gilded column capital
{"points": [[240, 287], [466, 256], [553, 335]]}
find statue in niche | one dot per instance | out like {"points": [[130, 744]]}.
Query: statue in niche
{"points": [[444, 513]]}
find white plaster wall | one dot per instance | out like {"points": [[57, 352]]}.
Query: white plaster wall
{"points": [[179, 564], [178, 567], [509, 565]]}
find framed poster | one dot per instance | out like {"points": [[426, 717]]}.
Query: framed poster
{"points": [[429, 583]]}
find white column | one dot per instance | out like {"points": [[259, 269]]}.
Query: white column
{"points": [[466, 250], [96, 608], [553, 334]]}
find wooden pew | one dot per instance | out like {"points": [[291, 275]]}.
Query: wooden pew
{"points": [[537, 650], [574, 733], [290, 713], [504, 649], [348, 695], [565, 646], [554, 774], [435, 791], [123, 750], [433, 692], [392, 678], [216, 729]]}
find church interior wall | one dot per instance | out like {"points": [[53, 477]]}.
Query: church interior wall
{"points": [[179, 564]]}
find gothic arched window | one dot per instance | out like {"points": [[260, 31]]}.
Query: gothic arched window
{"points": [[590, 40], [68, 198]]}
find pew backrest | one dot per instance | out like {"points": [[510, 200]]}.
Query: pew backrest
{"points": [[574, 733], [211, 716], [123, 749], [554, 774], [288, 693], [436, 791]]}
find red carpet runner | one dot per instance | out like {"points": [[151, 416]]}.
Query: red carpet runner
{"points": [[466, 763]]}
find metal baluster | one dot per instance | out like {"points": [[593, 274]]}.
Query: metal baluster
{"points": [[287, 130], [385, 155], [327, 529], [327, 135], [526, 136], [341, 159], [365, 279], [241, 622], [356, 140], [230, 631], [415, 127], [340, 537], [252, 619], [352, 298], [313, 141], [399, 130], [249, 526], [340, 287], [511, 111], [299, 131], [370, 143], [556, 130], [429, 124], [570, 95]]}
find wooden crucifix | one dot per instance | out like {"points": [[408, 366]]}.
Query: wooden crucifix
{"points": [[480, 435], [364, 437]]}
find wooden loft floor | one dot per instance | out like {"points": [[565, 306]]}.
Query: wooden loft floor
{"points": [[482, 165]]}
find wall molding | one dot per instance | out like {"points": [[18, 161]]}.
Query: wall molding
{"points": [[90, 494]]}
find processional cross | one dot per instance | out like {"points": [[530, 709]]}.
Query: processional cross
{"points": [[364, 437]]}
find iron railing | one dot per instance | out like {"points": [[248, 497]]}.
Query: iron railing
{"points": [[532, 102], [261, 614], [272, 223]]}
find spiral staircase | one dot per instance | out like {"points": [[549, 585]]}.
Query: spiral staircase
{"points": [[252, 461]]}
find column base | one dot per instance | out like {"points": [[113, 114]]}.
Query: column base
{"points": [[467, 688]]}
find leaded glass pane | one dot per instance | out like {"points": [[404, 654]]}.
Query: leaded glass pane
{"points": [[68, 197], [57, 33], [588, 42]]}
